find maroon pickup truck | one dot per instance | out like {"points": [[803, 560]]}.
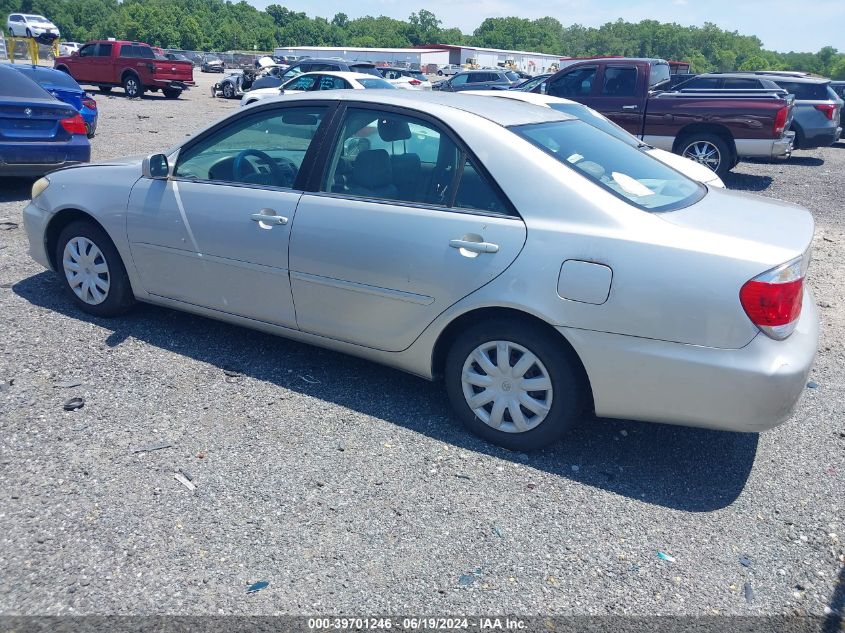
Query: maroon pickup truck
{"points": [[715, 129], [132, 65]]}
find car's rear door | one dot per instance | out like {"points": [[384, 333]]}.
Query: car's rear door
{"points": [[620, 95], [402, 223], [216, 233]]}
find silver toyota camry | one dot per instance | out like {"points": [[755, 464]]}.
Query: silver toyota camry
{"points": [[540, 266]]}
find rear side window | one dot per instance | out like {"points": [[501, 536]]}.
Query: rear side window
{"points": [[379, 84], [702, 83], [619, 168], [805, 91], [742, 84], [619, 81], [141, 52]]}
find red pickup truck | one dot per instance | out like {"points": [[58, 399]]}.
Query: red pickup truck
{"points": [[715, 129], [133, 65]]}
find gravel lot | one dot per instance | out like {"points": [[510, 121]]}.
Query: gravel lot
{"points": [[348, 487]]}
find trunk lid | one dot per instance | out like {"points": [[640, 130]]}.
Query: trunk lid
{"points": [[173, 71], [777, 231], [27, 121]]}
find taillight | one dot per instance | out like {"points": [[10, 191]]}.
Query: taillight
{"points": [[89, 103], [773, 300], [415, 82], [74, 125], [828, 109], [780, 120]]}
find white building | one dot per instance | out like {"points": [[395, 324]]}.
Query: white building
{"points": [[533, 63], [413, 57]]}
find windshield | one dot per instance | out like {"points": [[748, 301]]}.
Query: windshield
{"points": [[38, 19], [617, 167], [376, 83], [588, 115], [529, 84], [49, 77]]}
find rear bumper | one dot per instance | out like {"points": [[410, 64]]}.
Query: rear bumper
{"points": [[750, 389], [823, 137], [39, 158], [176, 85], [765, 148], [26, 170]]}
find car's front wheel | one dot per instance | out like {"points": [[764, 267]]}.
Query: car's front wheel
{"points": [[132, 86], [228, 91], [93, 272], [514, 384]]}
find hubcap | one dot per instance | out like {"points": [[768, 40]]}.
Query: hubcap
{"points": [[86, 270], [507, 386], [705, 153], [131, 88]]}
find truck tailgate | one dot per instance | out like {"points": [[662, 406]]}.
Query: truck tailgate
{"points": [[174, 71]]}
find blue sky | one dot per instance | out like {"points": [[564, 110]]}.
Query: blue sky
{"points": [[783, 25]]}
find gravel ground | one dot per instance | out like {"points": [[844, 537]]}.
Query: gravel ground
{"points": [[348, 487]]}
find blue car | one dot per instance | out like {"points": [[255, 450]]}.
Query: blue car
{"points": [[64, 87], [38, 133]]}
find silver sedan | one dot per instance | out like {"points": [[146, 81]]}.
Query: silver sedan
{"points": [[540, 266]]}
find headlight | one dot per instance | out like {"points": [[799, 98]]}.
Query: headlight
{"points": [[39, 187]]}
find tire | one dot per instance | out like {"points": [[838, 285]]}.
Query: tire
{"points": [[709, 150], [76, 245], [11, 32], [440, 73], [28, 33], [564, 399], [798, 142], [171, 93], [228, 91], [132, 86], [105, 89]]}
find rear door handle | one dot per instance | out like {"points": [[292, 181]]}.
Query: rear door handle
{"points": [[475, 247], [630, 107], [269, 218]]}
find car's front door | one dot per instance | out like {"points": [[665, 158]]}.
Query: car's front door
{"points": [[102, 68], [405, 224], [82, 66], [216, 233]]}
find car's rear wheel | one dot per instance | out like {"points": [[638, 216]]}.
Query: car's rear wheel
{"points": [[514, 384], [93, 272], [709, 150], [132, 86], [228, 91], [171, 93]]}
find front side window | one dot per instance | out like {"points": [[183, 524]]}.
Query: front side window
{"points": [[623, 170], [459, 80], [575, 83], [397, 157], [619, 81], [303, 82], [266, 148], [88, 50]]}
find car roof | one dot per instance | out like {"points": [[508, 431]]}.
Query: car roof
{"points": [[528, 97], [774, 77], [504, 112], [344, 74]]}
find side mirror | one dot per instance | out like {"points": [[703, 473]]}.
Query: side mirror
{"points": [[155, 166]]}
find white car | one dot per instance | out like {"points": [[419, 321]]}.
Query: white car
{"points": [[308, 82], [688, 167], [405, 78], [68, 48], [449, 69], [29, 25]]}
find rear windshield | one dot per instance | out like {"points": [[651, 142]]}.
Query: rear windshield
{"points": [[14, 84], [805, 91], [367, 69], [376, 83], [617, 167], [49, 77]]}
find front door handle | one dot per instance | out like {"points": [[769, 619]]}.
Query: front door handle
{"points": [[630, 107], [269, 218], [475, 247]]}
